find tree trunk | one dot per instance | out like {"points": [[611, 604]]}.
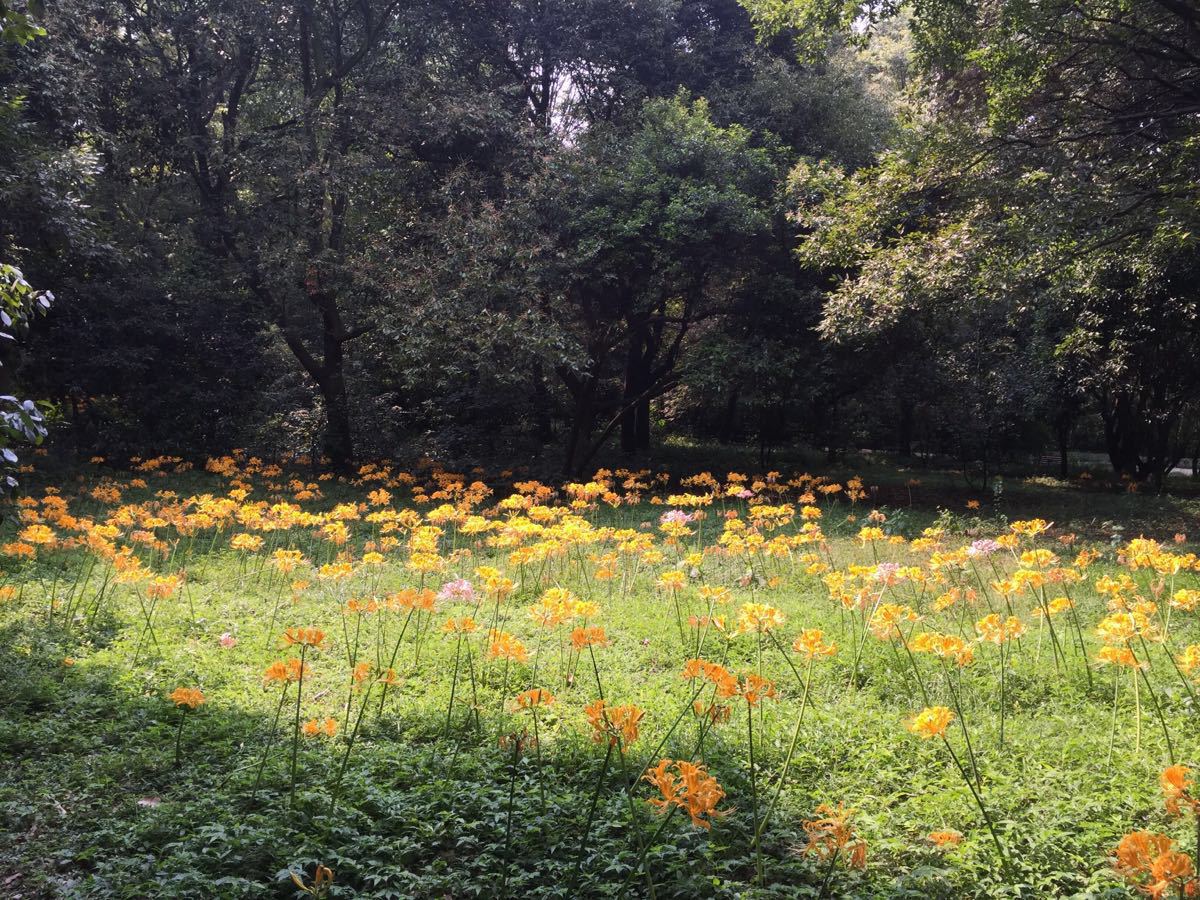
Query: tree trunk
{"points": [[905, 430], [635, 422], [728, 426], [543, 430], [1063, 433], [581, 426], [339, 442], [1122, 436]]}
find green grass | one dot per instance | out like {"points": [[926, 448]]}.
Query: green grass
{"points": [[92, 802]]}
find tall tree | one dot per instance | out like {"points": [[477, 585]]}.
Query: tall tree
{"points": [[289, 122]]}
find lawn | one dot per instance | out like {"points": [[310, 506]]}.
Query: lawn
{"points": [[258, 682]]}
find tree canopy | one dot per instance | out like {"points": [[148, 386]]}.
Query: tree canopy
{"points": [[560, 228]]}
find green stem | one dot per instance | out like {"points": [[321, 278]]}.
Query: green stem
{"points": [[979, 801], [758, 864], [267, 746], [587, 827], [179, 735], [296, 729], [787, 762]]}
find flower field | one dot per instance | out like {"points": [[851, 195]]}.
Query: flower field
{"points": [[251, 681]]}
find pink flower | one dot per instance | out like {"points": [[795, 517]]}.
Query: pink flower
{"points": [[885, 571], [675, 516], [227, 640], [744, 494], [984, 547], [459, 589]]}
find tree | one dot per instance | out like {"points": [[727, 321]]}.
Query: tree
{"points": [[21, 421], [288, 122], [648, 232], [1051, 167]]}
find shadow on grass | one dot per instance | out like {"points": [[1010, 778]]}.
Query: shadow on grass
{"points": [[92, 803]]}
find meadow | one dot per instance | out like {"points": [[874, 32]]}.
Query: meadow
{"points": [[258, 681]]}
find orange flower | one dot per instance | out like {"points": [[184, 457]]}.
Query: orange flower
{"points": [[1150, 861], [754, 689], [726, 683], [830, 833], [505, 646], [163, 586], [315, 727], [589, 636], [285, 670], [535, 697], [714, 712], [689, 788], [321, 882], [1177, 787], [1172, 866], [1137, 851], [1118, 656], [932, 721], [189, 697], [996, 630], [306, 637], [947, 838], [616, 724]]}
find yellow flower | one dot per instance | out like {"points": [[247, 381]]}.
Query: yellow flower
{"points": [[672, 581], [811, 644], [1189, 659], [996, 630], [1031, 527], [37, 534], [251, 543], [759, 617], [889, 617]]}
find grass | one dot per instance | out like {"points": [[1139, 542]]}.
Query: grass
{"points": [[456, 799]]}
